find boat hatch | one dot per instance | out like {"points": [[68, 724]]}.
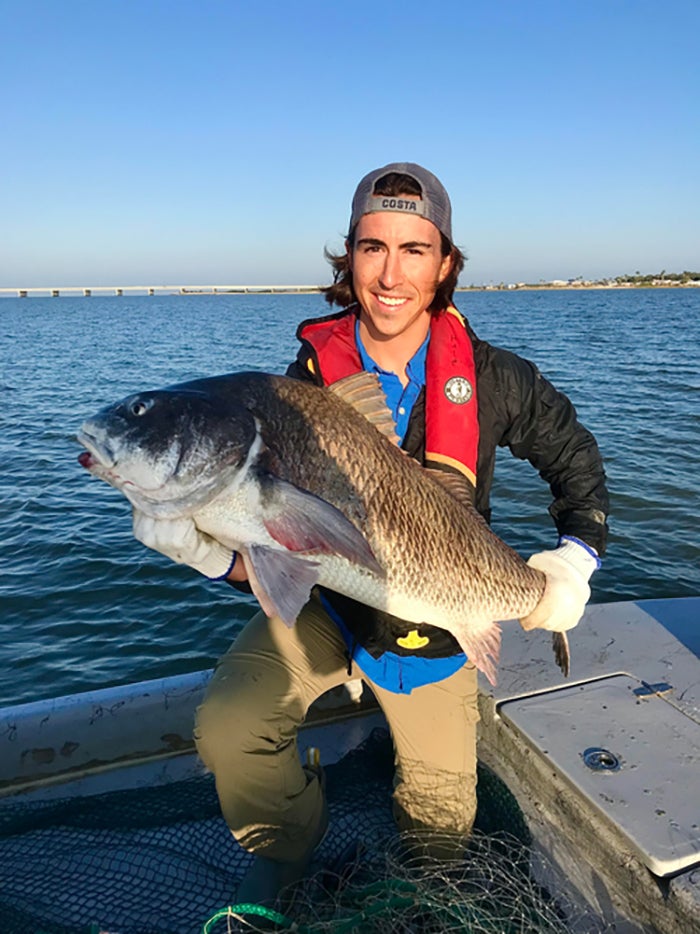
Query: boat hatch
{"points": [[635, 757]]}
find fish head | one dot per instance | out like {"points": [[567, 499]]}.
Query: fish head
{"points": [[169, 450]]}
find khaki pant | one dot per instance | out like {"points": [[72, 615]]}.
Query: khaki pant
{"points": [[247, 729]]}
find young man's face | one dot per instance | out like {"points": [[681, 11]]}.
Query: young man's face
{"points": [[397, 266]]}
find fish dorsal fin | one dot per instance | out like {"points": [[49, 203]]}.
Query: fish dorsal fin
{"points": [[364, 393], [455, 483]]}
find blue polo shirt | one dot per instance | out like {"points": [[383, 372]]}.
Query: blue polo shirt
{"points": [[400, 399], [397, 673]]}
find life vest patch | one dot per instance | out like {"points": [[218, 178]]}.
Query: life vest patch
{"points": [[413, 640], [459, 390]]}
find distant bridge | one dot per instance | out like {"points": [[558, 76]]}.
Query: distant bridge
{"points": [[43, 291]]}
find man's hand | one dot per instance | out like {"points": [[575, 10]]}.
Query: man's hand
{"points": [[182, 542], [567, 570]]}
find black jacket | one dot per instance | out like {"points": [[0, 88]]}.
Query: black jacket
{"points": [[520, 409]]}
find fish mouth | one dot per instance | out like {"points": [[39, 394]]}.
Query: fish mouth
{"points": [[98, 458], [86, 460]]}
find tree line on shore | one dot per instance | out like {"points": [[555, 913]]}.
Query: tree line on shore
{"points": [[659, 278], [638, 280]]}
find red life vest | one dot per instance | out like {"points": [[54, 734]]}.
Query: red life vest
{"points": [[451, 423]]}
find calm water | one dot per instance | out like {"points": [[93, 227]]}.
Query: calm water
{"points": [[82, 604]]}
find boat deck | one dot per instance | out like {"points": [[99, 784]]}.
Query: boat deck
{"points": [[604, 764]]}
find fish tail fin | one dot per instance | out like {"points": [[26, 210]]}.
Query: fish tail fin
{"points": [[560, 644], [482, 648]]}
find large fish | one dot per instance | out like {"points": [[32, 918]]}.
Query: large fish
{"points": [[310, 486]]}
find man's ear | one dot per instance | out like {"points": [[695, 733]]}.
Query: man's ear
{"points": [[445, 267]]}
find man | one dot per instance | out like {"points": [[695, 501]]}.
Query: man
{"points": [[454, 399]]}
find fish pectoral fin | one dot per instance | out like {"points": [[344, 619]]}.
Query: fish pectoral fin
{"points": [[303, 522], [280, 580], [482, 648]]}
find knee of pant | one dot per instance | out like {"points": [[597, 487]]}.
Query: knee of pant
{"points": [[231, 725], [426, 800]]}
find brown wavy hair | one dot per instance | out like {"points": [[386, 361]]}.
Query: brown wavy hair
{"points": [[342, 292]]}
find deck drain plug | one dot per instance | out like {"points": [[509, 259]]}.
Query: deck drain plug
{"points": [[601, 760]]}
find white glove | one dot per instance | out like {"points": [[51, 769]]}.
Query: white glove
{"points": [[182, 542], [568, 569]]}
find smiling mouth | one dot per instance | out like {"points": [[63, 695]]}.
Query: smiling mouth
{"points": [[390, 302]]}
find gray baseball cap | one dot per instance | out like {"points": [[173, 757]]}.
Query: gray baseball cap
{"points": [[434, 204]]}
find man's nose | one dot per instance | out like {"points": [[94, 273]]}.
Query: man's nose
{"points": [[391, 274]]}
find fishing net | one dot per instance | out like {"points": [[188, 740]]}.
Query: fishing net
{"points": [[162, 861], [387, 890]]}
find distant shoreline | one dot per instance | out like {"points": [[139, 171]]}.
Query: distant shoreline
{"points": [[686, 281]]}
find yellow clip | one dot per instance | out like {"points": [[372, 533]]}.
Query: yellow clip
{"points": [[413, 640]]}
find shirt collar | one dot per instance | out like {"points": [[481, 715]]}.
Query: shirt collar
{"points": [[415, 370]]}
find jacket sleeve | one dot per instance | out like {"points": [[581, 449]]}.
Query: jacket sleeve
{"points": [[542, 427]]}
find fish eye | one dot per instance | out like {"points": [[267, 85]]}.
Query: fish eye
{"points": [[140, 407]]}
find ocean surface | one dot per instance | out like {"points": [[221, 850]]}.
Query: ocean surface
{"points": [[83, 605]]}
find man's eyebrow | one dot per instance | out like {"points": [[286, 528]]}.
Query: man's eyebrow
{"points": [[410, 245]]}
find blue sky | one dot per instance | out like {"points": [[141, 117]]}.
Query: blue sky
{"points": [[167, 142]]}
